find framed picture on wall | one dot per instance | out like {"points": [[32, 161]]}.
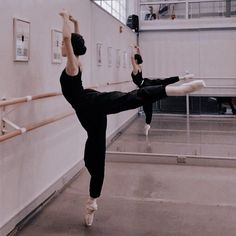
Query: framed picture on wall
{"points": [[125, 59], [56, 37], [109, 56], [130, 54], [118, 58], [99, 54], [21, 39]]}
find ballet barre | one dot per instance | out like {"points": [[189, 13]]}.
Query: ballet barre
{"points": [[20, 130], [109, 84], [28, 98], [28, 128], [115, 83], [14, 101]]}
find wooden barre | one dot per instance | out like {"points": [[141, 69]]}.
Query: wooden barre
{"points": [[28, 128], [15, 133], [108, 84], [14, 101], [122, 82]]}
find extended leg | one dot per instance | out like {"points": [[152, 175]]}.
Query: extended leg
{"points": [[114, 102], [167, 81]]}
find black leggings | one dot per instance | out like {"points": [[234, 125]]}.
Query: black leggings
{"points": [[92, 112], [147, 108]]}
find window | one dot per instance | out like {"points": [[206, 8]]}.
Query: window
{"points": [[117, 8], [186, 9]]}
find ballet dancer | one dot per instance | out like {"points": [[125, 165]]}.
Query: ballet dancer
{"points": [[92, 107], [137, 77]]}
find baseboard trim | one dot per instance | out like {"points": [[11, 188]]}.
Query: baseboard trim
{"points": [[172, 159]]}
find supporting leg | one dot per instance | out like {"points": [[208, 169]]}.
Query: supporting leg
{"points": [[147, 108], [94, 157], [232, 107]]}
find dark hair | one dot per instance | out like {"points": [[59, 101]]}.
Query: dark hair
{"points": [[138, 58], [78, 46]]}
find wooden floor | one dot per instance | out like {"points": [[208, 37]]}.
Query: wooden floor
{"points": [[148, 199]]}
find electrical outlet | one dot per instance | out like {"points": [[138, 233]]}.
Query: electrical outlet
{"points": [[181, 160]]}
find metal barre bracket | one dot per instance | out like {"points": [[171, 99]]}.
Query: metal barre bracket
{"points": [[13, 125], [3, 125]]}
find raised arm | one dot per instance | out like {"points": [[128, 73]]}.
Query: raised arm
{"points": [[133, 61], [76, 24], [138, 50], [72, 60]]}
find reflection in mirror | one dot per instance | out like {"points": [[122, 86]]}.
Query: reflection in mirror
{"points": [[211, 105], [209, 131]]}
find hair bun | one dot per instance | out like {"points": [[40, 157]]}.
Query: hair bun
{"points": [[78, 44]]}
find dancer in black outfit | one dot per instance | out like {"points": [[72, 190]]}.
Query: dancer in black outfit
{"points": [[136, 60], [92, 107]]}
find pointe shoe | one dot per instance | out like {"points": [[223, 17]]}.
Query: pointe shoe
{"points": [[91, 207], [194, 86], [146, 129], [199, 84]]}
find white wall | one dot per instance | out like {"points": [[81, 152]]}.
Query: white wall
{"points": [[106, 31], [132, 7], [210, 54], [32, 162]]}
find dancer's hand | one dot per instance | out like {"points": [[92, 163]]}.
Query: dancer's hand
{"points": [[64, 13], [75, 22], [132, 45], [73, 19]]}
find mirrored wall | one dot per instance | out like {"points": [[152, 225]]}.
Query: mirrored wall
{"points": [[197, 105]]}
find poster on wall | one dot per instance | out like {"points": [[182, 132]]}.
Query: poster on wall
{"points": [[56, 37], [21, 39], [99, 54], [109, 56], [118, 58]]}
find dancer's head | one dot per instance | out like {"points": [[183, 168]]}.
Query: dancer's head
{"points": [[78, 45], [138, 59], [151, 9]]}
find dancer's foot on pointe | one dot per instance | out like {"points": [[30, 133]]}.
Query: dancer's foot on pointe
{"points": [[146, 129], [91, 207]]}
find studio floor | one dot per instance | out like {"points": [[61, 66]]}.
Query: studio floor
{"points": [[151, 199]]}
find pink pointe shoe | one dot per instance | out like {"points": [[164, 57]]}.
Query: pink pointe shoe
{"points": [[91, 207], [146, 129]]}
